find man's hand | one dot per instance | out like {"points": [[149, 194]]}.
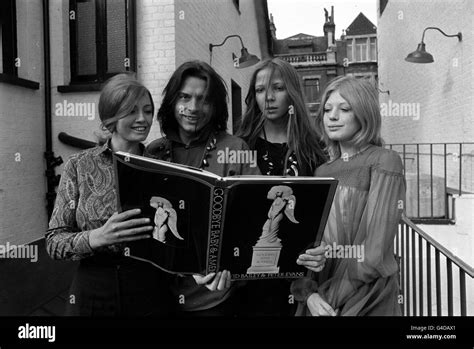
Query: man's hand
{"points": [[219, 282]]}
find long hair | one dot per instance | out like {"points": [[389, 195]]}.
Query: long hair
{"points": [[215, 95], [117, 100], [303, 139], [363, 99]]}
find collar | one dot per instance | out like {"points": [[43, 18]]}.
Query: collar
{"points": [[106, 148], [173, 136]]}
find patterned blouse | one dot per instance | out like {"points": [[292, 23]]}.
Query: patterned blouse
{"points": [[86, 198]]}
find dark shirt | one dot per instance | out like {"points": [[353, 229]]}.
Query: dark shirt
{"points": [[272, 159], [198, 297]]}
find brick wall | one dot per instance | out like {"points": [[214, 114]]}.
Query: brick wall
{"points": [[165, 39], [199, 23], [155, 63], [156, 49]]}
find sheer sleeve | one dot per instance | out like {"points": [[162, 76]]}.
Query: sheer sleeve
{"points": [[375, 234], [63, 238], [385, 205]]}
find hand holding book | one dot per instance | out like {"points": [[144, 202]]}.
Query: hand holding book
{"points": [[203, 223], [120, 228], [219, 282], [314, 258], [319, 307]]}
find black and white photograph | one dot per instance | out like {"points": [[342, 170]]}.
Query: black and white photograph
{"points": [[267, 165]]}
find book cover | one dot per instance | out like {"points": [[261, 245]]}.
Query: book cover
{"points": [[253, 226]]}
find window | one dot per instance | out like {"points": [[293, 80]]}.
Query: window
{"points": [[236, 106], [373, 49], [362, 49], [311, 89], [349, 51], [102, 40], [8, 40]]}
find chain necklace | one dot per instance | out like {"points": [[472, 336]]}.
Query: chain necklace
{"points": [[290, 167], [210, 146]]}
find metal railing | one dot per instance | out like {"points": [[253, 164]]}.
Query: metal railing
{"points": [[417, 252], [435, 172]]}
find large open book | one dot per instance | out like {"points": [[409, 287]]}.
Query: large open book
{"points": [[253, 226]]}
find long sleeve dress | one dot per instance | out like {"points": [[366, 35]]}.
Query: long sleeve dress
{"points": [[365, 212]]}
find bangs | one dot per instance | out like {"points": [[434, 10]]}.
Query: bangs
{"points": [[121, 103]]}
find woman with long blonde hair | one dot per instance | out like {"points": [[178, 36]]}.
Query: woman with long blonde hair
{"points": [[365, 213], [277, 126]]}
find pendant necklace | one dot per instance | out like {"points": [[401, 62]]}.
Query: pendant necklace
{"points": [[210, 146], [291, 165]]}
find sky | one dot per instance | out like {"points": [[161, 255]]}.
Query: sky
{"points": [[307, 16]]}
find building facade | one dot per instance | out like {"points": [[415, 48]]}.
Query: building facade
{"points": [[319, 59], [90, 41], [429, 103]]}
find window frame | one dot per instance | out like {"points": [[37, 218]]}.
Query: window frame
{"points": [[352, 57], [316, 87], [10, 53], [101, 42]]}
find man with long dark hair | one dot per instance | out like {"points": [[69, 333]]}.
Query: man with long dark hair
{"points": [[193, 119]]}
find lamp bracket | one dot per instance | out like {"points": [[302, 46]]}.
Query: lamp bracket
{"points": [[227, 37], [458, 35]]}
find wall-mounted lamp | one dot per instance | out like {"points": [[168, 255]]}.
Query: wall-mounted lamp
{"points": [[246, 59], [420, 55]]}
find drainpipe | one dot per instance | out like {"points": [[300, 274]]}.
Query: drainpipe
{"points": [[51, 160]]}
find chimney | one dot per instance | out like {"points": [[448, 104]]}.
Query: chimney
{"points": [[272, 27], [330, 28]]}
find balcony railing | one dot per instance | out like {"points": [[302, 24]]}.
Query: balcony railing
{"points": [[305, 59], [434, 173], [425, 291]]}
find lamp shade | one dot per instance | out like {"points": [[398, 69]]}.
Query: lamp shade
{"points": [[420, 55], [247, 59]]}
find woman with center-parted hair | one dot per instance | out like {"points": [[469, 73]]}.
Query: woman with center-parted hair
{"points": [[193, 119], [85, 226], [367, 206], [276, 124]]}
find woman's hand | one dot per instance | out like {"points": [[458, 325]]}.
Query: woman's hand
{"points": [[314, 258], [120, 228], [318, 307], [221, 280]]}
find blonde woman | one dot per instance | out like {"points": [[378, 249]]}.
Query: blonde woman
{"points": [[367, 207]]}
